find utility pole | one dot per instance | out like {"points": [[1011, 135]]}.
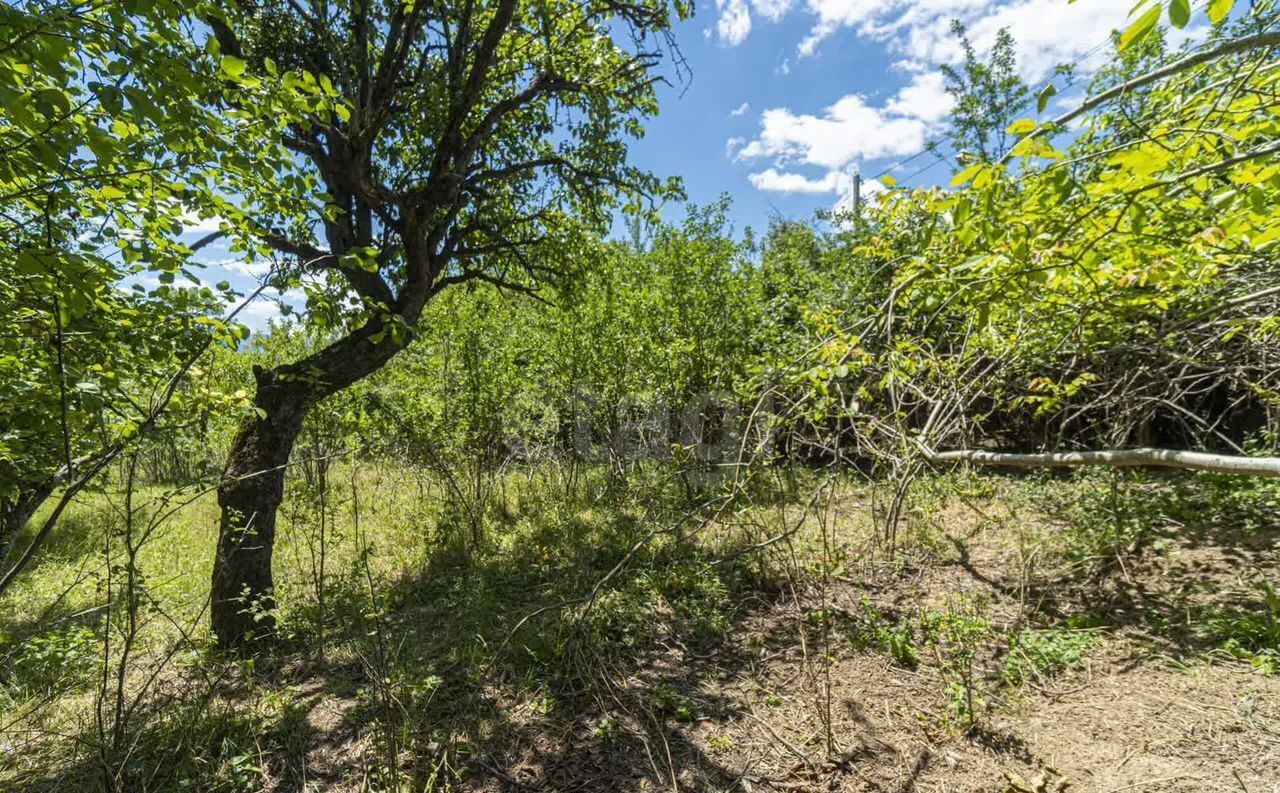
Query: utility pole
{"points": [[857, 195]]}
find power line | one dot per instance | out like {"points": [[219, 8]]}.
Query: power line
{"points": [[927, 167]]}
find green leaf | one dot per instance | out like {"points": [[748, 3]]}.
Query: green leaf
{"points": [[888, 181], [1140, 29], [965, 175], [1042, 98], [233, 66], [29, 263], [1021, 127], [1179, 13], [1219, 9]]}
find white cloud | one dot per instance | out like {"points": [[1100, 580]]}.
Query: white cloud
{"points": [[192, 222], [740, 109], [258, 314], [1047, 32], [734, 23], [918, 32], [255, 269], [870, 189], [880, 19], [775, 181], [266, 307], [925, 98], [838, 182], [847, 130], [772, 10]]}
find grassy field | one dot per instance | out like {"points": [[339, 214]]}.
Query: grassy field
{"points": [[1104, 632]]}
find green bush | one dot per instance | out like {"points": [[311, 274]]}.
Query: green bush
{"points": [[1252, 635]]}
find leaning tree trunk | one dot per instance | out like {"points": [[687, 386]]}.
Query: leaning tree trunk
{"points": [[249, 494], [252, 485]]}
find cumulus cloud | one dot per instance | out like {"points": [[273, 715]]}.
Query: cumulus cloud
{"points": [[734, 23], [916, 32], [883, 20], [192, 223], [925, 98], [259, 314], [740, 109], [1047, 32], [839, 183], [254, 269], [267, 308], [776, 181], [870, 189], [847, 130]]}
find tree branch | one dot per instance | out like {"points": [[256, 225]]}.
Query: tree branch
{"points": [[1243, 44], [1119, 458]]}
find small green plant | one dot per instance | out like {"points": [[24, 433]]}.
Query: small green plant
{"points": [[624, 616], [700, 600], [54, 662], [606, 728], [1253, 636], [1108, 515], [720, 743], [895, 637], [666, 701], [240, 770], [956, 638], [1246, 503], [1039, 654]]}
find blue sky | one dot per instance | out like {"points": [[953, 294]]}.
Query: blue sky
{"points": [[787, 98]]}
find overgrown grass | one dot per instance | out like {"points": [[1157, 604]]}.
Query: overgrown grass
{"points": [[414, 620], [445, 643]]}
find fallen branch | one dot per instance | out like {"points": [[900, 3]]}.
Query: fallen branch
{"points": [[1118, 458]]}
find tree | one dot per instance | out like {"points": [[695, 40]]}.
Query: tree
{"points": [[441, 143], [988, 96], [1115, 293], [1115, 290], [90, 195]]}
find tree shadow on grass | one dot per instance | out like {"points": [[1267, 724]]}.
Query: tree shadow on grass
{"points": [[574, 656], [1186, 582], [571, 659]]}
